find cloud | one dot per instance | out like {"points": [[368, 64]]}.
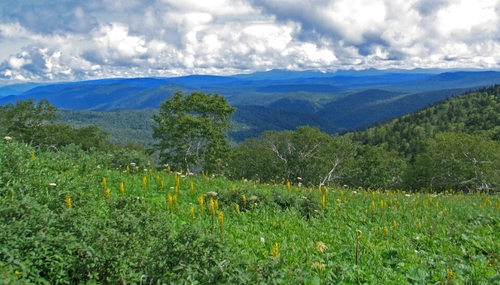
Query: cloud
{"points": [[49, 17], [73, 40], [429, 7]]}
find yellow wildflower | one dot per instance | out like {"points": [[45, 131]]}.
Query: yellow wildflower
{"points": [[321, 246], [191, 210], [319, 266], [122, 188], [211, 206], [275, 249], [69, 203], [201, 202], [221, 221], [449, 275]]}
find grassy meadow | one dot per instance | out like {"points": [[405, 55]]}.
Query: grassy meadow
{"points": [[69, 218]]}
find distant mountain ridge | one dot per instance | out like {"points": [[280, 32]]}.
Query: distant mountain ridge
{"points": [[340, 101]]}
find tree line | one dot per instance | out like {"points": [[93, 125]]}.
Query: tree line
{"points": [[450, 145]]}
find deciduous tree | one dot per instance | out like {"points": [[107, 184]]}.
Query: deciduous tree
{"points": [[26, 120], [305, 155], [190, 131], [456, 161]]}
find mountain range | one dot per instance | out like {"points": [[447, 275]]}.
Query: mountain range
{"points": [[276, 99]]}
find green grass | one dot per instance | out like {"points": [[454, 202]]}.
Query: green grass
{"points": [[357, 236]]}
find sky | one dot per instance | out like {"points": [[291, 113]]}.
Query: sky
{"points": [[67, 40]]}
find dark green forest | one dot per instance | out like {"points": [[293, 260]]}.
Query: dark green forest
{"points": [[475, 113], [123, 126]]}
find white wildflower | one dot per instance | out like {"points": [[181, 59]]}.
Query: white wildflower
{"points": [[212, 193]]}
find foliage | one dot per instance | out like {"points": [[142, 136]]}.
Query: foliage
{"points": [[307, 205], [26, 120], [73, 214], [305, 155], [252, 121], [377, 168], [190, 129], [473, 113], [457, 161], [285, 235], [123, 126], [34, 124]]}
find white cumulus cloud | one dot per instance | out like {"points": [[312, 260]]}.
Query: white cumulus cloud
{"points": [[74, 40]]}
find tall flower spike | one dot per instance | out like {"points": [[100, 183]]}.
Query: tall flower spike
{"points": [[221, 221], [122, 188], [449, 275], [69, 203], [191, 211], [201, 203], [170, 202], [144, 182], [275, 249], [211, 206]]}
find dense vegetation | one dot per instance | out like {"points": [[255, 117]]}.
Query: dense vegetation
{"points": [[123, 126], [190, 130], [36, 125], [395, 155], [451, 145], [74, 217], [473, 113], [412, 201]]}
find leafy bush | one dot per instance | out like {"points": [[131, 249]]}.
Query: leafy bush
{"points": [[122, 243], [277, 198]]}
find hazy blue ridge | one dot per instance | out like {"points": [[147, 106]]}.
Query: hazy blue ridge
{"points": [[276, 99]]}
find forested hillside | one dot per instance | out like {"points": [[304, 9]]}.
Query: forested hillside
{"points": [[252, 121], [474, 113], [122, 125], [135, 125], [451, 145]]}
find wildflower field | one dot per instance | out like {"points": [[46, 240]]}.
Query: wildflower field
{"points": [[70, 218]]}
